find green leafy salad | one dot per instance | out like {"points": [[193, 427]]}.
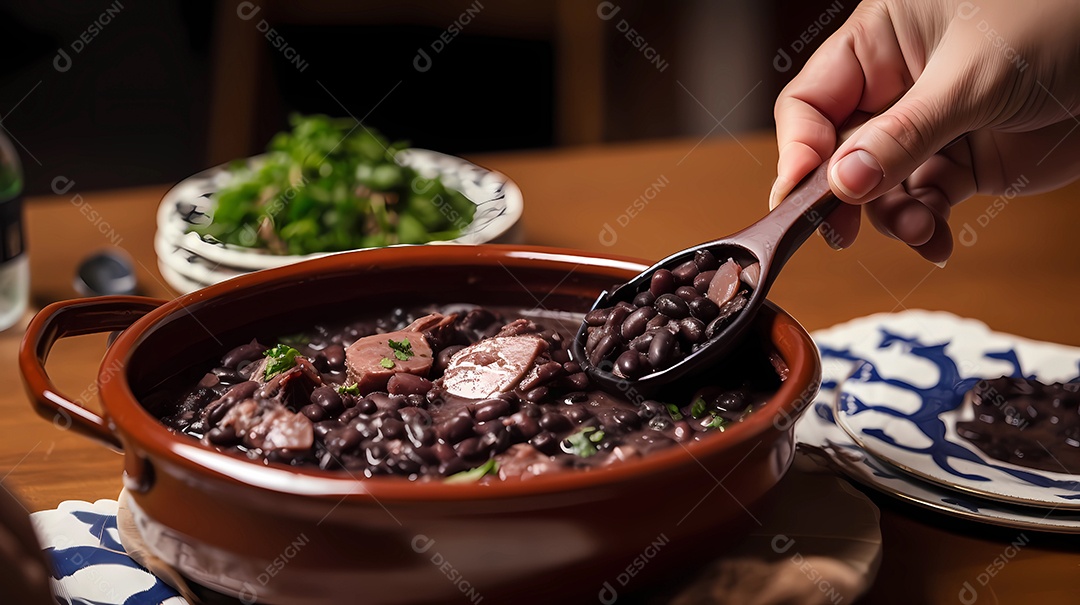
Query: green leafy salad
{"points": [[332, 184]]}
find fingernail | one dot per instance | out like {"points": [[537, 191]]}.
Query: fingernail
{"points": [[828, 241], [857, 173], [941, 265], [780, 188]]}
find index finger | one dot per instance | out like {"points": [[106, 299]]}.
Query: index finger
{"points": [[860, 67]]}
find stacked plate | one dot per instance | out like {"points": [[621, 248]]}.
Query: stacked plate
{"points": [[892, 394], [189, 262]]}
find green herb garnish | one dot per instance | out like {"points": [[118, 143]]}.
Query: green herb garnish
{"points": [[402, 349], [583, 443], [717, 422], [280, 358], [673, 409], [698, 408], [349, 389], [473, 475], [386, 362], [331, 184]]}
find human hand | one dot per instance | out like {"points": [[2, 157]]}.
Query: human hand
{"points": [[997, 79]]}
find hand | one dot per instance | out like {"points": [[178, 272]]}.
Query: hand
{"points": [[998, 79]]}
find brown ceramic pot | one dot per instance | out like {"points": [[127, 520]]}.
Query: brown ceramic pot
{"points": [[275, 534]]}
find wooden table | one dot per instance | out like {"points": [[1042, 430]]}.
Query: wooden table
{"points": [[1019, 276]]}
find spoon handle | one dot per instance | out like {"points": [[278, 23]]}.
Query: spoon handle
{"points": [[780, 233]]}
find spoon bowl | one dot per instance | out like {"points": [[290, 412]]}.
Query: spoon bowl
{"points": [[770, 242]]}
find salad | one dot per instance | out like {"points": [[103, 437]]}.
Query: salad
{"points": [[332, 184]]}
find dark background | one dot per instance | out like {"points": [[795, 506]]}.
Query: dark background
{"points": [[167, 88]]}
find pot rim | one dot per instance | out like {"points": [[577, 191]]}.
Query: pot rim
{"points": [[144, 435]]}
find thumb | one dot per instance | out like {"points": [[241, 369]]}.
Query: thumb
{"points": [[888, 148]]}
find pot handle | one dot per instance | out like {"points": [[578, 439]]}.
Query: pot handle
{"points": [[66, 318]]}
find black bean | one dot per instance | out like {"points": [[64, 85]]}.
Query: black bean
{"points": [[497, 440], [597, 317], [685, 273], [604, 348], [659, 321], [323, 428], [472, 448], [351, 414], [415, 400], [627, 420], [335, 356], [223, 436], [702, 281], [454, 429], [662, 282], [555, 422], [364, 406], [249, 352], [641, 343], [616, 319], [706, 260], [571, 367], [478, 319], [443, 452], [227, 375], [328, 399], [579, 381], [660, 423], [635, 323], [442, 360], [672, 306], [578, 413], [687, 293], [644, 299], [629, 364], [392, 429], [403, 383], [662, 349], [532, 410], [523, 427], [546, 442], [490, 409], [683, 431], [692, 330], [726, 315], [537, 394], [313, 412], [240, 392], [704, 309]]}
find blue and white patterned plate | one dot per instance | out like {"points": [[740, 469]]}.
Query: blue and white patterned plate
{"points": [[843, 350], [90, 565], [903, 402]]}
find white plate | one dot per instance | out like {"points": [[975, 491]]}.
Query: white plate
{"points": [[498, 200], [841, 349], [82, 543]]}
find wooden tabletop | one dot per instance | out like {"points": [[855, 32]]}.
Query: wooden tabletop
{"points": [[1016, 270]]}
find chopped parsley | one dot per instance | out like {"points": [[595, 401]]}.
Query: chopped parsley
{"points": [[698, 408], [673, 409], [349, 389], [386, 362], [402, 349], [491, 467], [280, 358], [583, 443], [717, 422]]}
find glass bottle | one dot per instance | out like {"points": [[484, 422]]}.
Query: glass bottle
{"points": [[14, 264]]}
